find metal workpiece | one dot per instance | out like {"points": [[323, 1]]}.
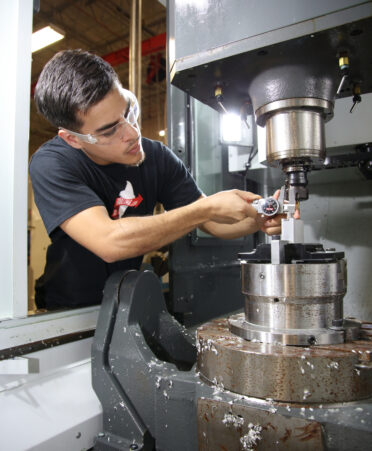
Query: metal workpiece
{"points": [[292, 231], [277, 251], [324, 374]]}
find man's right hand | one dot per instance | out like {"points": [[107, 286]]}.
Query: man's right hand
{"points": [[229, 207]]}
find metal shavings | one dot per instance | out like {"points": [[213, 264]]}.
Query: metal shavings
{"points": [[250, 440], [157, 381], [198, 345], [206, 346], [219, 387], [233, 420], [306, 393], [154, 363], [333, 365]]}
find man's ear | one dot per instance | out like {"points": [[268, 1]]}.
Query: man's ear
{"points": [[70, 139]]}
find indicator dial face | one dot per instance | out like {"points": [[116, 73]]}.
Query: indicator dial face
{"points": [[270, 207]]}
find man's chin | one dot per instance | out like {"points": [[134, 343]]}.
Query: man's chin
{"points": [[142, 158]]}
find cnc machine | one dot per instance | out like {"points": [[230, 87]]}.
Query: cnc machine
{"points": [[291, 371]]}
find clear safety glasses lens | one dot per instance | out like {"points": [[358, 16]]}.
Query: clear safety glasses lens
{"points": [[111, 134], [108, 136]]}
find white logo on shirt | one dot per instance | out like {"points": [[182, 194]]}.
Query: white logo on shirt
{"points": [[126, 199]]}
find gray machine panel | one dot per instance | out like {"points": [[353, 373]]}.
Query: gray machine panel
{"points": [[202, 25], [314, 45]]}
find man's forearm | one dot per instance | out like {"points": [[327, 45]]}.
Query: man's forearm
{"points": [[135, 236], [129, 237], [231, 231]]}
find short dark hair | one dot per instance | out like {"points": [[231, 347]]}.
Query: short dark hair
{"points": [[72, 81]]}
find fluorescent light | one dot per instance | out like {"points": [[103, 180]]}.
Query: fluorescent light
{"points": [[44, 37], [231, 127]]}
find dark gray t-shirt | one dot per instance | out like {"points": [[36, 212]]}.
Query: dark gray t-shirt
{"points": [[66, 181]]}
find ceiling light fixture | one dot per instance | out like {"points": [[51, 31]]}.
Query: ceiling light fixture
{"points": [[44, 37]]}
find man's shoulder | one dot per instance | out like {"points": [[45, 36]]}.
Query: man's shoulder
{"points": [[55, 153], [56, 144], [53, 148], [150, 145], [157, 151]]}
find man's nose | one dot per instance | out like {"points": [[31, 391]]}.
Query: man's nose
{"points": [[130, 132]]}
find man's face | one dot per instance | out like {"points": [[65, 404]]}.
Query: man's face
{"points": [[125, 145]]}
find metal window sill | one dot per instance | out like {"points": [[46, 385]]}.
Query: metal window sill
{"points": [[21, 332]]}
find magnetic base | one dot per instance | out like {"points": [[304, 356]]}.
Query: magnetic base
{"points": [[316, 374]]}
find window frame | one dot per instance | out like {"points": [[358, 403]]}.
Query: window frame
{"points": [[16, 328]]}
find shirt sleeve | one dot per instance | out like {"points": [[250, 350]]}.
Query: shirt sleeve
{"points": [[177, 187], [59, 190]]}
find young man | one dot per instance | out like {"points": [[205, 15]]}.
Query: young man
{"points": [[97, 182]]}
